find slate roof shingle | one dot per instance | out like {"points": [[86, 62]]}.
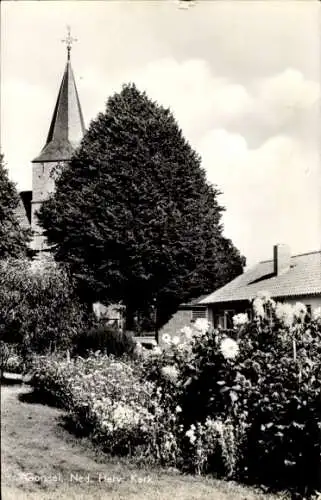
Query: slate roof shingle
{"points": [[67, 125]]}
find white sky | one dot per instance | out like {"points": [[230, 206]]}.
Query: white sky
{"points": [[242, 78]]}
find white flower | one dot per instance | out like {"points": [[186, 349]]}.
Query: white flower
{"points": [[157, 350], [229, 348], [190, 434], [201, 325], [124, 415], [116, 366], [240, 319], [178, 409], [184, 347], [216, 425], [139, 348], [170, 372], [107, 425], [317, 313], [167, 445], [166, 338], [299, 310], [176, 340], [285, 313], [187, 331], [258, 307]]}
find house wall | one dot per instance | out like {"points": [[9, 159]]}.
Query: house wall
{"points": [[216, 310], [221, 314], [183, 317], [312, 300], [180, 319]]}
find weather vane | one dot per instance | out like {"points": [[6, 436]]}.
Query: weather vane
{"points": [[69, 40]]}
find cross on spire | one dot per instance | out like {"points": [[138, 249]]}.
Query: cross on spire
{"points": [[69, 40]]}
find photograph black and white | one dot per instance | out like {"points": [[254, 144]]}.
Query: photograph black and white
{"points": [[160, 256]]}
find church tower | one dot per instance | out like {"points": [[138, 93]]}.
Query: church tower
{"points": [[65, 133]]}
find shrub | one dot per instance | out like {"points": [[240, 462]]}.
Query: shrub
{"points": [[106, 400], [10, 358], [38, 307], [264, 389], [247, 409], [268, 386], [106, 339], [4, 356], [15, 362]]}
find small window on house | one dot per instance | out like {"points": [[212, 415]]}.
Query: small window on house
{"points": [[219, 320], [224, 319], [249, 313], [268, 311], [229, 318], [309, 311], [199, 313]]}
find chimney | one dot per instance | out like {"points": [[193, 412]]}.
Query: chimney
{"points": [[281, 259]]}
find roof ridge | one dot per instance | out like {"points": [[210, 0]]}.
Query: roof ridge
{"points": [[292, 256]]}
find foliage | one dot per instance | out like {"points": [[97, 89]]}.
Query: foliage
{"points": [[4, 356], [13, 238], [107, 400], [133, 212], [268, 388], [38, 307], [208, 442], [106, 339], [13, 360], [246, 408]]}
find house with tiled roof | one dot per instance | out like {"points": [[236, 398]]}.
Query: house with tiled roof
{"points": [[286, 278]]}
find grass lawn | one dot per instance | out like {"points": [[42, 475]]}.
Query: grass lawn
{"points": [[41, 460]]}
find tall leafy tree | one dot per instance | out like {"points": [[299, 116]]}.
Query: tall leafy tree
{"points": [[13, 238], [134, 215]]}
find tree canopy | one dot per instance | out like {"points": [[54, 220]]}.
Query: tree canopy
{"points": [[13, 238], [133, 213]]}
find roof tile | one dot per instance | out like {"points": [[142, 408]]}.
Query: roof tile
{"points": [[303, 278]]}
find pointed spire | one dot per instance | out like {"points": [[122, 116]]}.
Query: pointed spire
{"points": [[67, 125]]}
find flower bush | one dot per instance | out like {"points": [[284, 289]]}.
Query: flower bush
{"points": [[107, 400], [268, 386], [265, 388], [246, 408]]}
